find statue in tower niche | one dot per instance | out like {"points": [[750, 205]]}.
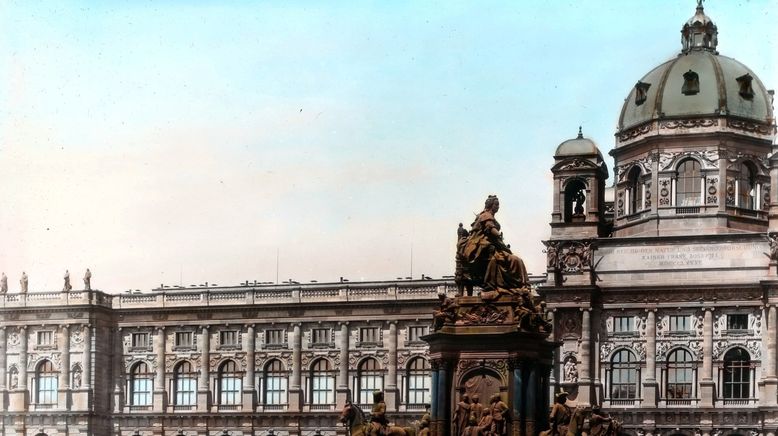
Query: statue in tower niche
{"points": [[579, 197], [486, 260]]}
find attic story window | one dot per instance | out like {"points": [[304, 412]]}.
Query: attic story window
{"points": [[691, 83], [641, 92], [746, 91]]}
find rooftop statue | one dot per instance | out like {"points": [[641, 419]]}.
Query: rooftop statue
{"points": [[88, 280], [485, 260], [3, 284], [24, 282], [67, 287]]}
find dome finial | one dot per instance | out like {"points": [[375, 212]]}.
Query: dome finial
{"points": [[699, 32], [580, 133]]}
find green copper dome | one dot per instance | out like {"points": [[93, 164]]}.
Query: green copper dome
{"points": [[697, 83]]}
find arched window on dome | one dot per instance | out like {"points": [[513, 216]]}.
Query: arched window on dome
{"points": [[679, 375], [575, 201], [636, 191], [746, 187], [737, 375], [688, 184]]}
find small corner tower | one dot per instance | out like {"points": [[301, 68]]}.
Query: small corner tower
{"points": [[579, 190]]}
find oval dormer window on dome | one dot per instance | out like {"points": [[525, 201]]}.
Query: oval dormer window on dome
{"points": [[744, 83], [575, 201], [641, 92], [688, 184], [691, 83]]}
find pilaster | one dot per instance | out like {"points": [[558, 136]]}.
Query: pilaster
{"points": [[63, 394], [769, 386], [203, 384], [160, 394], [3, 365], [585, 388], [342, 394], [249, 389], [295, 388], [18, 398], [392, 396], [650, 385], [707, 385]]}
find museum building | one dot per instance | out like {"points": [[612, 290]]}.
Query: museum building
{"points": [[662, 290]]}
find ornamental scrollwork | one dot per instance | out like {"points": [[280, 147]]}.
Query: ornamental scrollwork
{"points": [[605, 350], [626, 135], [687, 124], [749, 127], [573, 256]]}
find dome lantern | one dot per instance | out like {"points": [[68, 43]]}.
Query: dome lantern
{"points": [[699, 32]]}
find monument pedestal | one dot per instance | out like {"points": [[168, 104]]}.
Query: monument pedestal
{"points": [[498, 350]]}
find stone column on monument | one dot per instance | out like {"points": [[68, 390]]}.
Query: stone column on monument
{"points": [[530, 407], [769, 386], [443, 424], [518, 400], [249, 388], [392, 397], [3, 364], [295, 387], [650, 385], [63, 397], [707, 385], [342, 393], [585, 392], [160, 397], [203, 384]]}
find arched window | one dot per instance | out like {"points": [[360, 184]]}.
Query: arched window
{"points": [[141, 385], [275, 379], [322, 386], [746, 187], [624, 376], [229, 383], [737, 374], [688, 184], [575, 200], [369, 379], [679, 374], [635, 191], [418, 382], [184, 385], [46, 383]]}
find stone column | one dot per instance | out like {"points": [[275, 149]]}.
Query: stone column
{"points": [[443, 424], [585, 391], [203, 384], [63, 397], [249, 388], [392, 392], [295, 387], [650, 385], [532, 400], [654, 183], [342, 391], [119, 374], [722, 185], [160, 391], [18, 398], [3, 364], [518, 400], [707, 385], [769, 386]]}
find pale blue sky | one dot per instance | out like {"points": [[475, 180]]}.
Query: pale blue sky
{"points": [[159, 142]]}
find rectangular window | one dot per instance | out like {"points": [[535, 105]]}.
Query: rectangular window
{"points": [[184, 339], [680, 323], [369, 383], [274, 337], [416, 332], [419, 388], [623, 324], [47, 389], [368, 335], [45, 337], [737, 322], [140, 340], [275, 390], [186, 387], [229, 390], [228, 338], [320, 336], [141, 391], [322, 389]]}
